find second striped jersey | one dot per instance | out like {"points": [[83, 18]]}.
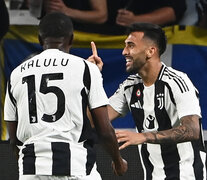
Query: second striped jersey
{"points": [[160, 107]]}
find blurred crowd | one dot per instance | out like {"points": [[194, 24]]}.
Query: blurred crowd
{"points": [[113, 16]]}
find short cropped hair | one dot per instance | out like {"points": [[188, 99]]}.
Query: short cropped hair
{"points": [[153, 32], [55, 25]]}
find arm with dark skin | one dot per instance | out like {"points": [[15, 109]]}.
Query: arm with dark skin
{"points": [[12, 128], [107, 137], [189, 130]]}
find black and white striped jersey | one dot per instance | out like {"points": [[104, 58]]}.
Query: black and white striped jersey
{"points": [[160, 107], [48, 96]]}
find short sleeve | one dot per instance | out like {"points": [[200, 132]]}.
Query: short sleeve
{"points": [[97, 96], [9, 105], [186, 98], [118, 101]]}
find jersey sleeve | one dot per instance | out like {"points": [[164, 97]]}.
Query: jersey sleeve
{"points": [[118, 101], [186, 99], [9, 105], [97, 96]]}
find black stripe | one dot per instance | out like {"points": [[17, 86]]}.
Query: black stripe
{"points": [[161, 72], [182, 82], [171, 160], [178, 80], [137, 113], [161, 115], [87, 129], [87, 132], [169, 152], [198, 146], [147, 164], [61, 159], [197, 164], [127, 87], [133, 77], [86, 77], [91, 154], [175, 81], [170, 93], [29, 159]]}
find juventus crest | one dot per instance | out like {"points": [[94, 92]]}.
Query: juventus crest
{"points": [[160, 99]]}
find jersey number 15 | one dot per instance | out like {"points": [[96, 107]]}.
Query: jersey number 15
{"points": [[44, 88]]}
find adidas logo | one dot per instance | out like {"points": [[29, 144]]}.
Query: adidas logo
{"points": [[137, 105]]}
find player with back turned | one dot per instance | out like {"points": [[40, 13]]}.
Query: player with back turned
{"points": [[45, 108]]}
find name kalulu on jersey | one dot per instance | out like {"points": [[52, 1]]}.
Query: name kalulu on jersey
{"points": [[46, 63]]}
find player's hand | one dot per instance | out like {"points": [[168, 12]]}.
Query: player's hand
{"points": [[94, 58], [55, 5], [120, 168], [129, 138], [125, 17]]}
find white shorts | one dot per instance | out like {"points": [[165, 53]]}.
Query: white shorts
{"points": [[94, 175]]}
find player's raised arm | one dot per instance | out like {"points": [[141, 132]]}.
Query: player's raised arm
{"points": [[94, 58]]}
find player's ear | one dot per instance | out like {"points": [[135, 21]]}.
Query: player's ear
{"points": [[150, 52], [40, 40]]}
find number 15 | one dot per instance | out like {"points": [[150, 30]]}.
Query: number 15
{"points": [[44, 88]]}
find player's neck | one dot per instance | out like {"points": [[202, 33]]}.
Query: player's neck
{"points": [[55, 46], [150, 74], [56, 43]]}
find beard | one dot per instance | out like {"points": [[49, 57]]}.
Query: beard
{"points": [[133, 67], [131, 70]]}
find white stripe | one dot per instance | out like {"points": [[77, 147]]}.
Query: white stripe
{"points": [[141, 160], [186, 169], [78, 159], [203, 158], [155, 152], [43, 161]]}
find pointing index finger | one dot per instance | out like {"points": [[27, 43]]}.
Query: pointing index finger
{"points": [[94, 49]]}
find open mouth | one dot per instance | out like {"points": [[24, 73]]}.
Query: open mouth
{"points": [[128, 62]]}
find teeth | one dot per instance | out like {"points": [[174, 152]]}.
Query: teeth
{"points": [[128, 60]]}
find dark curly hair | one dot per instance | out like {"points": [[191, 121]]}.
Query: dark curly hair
{"points": [[55, 25]]}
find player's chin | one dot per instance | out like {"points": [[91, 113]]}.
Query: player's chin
{"points": [[129, 70]]}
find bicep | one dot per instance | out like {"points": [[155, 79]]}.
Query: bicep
{"points": [[112, 113], [100, 119]]}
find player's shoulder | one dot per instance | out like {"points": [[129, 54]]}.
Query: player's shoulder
{"points": [[81, 61], [171, 74], [73, 57], [175, 79], [132, 79]]}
